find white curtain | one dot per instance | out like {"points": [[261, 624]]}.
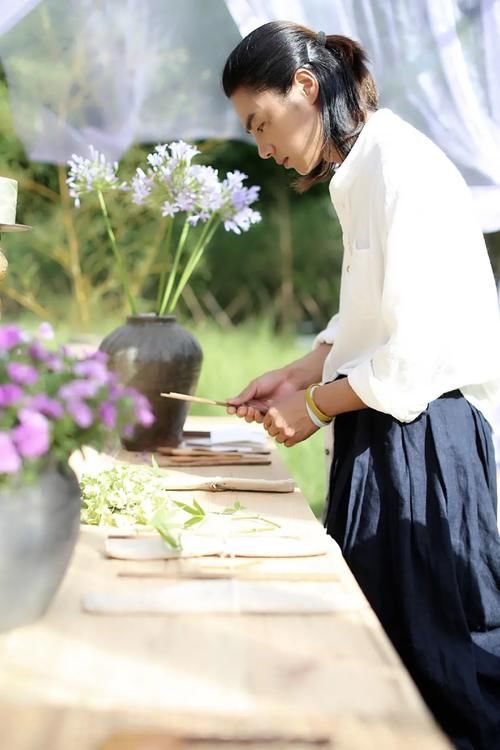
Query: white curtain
{"points": [[115, 72], [11, 12], [436, 63]]}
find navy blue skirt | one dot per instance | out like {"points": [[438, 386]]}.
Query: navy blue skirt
{"points": [[413, 508]]}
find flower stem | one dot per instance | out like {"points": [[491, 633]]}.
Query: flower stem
{"points": [[173, 270], [205, 238], [163, 277], [118, 255]]}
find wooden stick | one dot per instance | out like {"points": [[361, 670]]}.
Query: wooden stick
{"points": [[196, 399]]}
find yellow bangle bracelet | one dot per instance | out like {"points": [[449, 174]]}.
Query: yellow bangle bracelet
{"points": [[310, 401]]}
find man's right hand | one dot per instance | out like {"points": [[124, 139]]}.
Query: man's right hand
{"points": [[254, 400]]}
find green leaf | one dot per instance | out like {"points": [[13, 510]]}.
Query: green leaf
{"points": [[187, 508], [198, 507], [193, 521]]}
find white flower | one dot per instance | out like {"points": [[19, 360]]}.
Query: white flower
{"points": [[89, 175]]}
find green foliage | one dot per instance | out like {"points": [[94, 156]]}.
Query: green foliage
{"points": [[66, 268]]}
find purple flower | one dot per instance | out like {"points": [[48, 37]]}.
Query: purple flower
{"points": [[10, 336], [10, 461], [92, 368], [9, 394], [128, 430], [98, 356], [81, 413], [79, 389], [108, 413], [236, 212], [54, 363], [48, 406], [45, 331], [38, 352], [142, 410], [32, 437], [21, 373]]}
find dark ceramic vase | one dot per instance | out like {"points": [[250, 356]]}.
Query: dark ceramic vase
{"points": [[155, 354], [39, 526]]}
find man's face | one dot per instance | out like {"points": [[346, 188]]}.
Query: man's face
{"points": [[286, 128]]}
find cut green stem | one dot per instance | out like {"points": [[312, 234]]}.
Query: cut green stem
{"points": [[117, 253]]}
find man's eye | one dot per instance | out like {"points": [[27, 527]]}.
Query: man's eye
{"points": [[260, 129]]}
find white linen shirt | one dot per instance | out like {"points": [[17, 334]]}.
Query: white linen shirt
{"points": [[418, 313]]}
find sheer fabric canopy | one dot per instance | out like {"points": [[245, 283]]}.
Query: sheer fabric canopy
{"points": [[114, 72]]}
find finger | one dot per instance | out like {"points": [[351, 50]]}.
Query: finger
{"points": [[250, 415], [290, 442], [281, 438], [273, 430], [245, 395], [241, 411], [231, 410], [259, 417]]}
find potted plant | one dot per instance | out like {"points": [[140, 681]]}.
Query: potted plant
{"points": [[51, 403], [152, 352]]}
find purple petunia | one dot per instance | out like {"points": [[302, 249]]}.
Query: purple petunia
{"points": [[10, 461], [48, 406], [108, 414], [79, 389], [32, 436], [81, 413], [92, 368], [9, 394], [38, 352], [45, 331], [10, 337], [22, 374]]}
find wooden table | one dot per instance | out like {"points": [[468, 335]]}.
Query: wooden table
{"points": [[73, 679]]}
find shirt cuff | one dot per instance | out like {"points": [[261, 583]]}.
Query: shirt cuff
{"points": [[327, 336]]}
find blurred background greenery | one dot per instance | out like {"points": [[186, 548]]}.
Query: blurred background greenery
{"points": [[254, 302]]}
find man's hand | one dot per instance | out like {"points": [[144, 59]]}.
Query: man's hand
{"points": [[287, 420]]}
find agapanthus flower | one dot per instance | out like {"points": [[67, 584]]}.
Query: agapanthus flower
{"points": [[89, 175], [236, 212], [32, 436]]}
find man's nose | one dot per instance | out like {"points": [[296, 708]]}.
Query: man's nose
{"points": [[265, 151]]}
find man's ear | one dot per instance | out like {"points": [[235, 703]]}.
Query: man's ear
{"points": [[307, 83]]}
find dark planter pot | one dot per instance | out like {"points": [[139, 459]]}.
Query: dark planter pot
{"points": [[39, 525], [155, 354]]}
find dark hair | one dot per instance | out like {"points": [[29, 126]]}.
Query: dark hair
{"points": [[269, 57]]}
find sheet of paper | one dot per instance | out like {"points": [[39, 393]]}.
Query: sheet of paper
{"points": [[226, 597]]}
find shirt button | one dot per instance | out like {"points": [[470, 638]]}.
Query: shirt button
{"points": [[348, 269], [327, 451]]}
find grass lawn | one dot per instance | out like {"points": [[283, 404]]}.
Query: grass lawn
{"points": [[232, 357]]}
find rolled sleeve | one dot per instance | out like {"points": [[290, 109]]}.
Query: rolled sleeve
{"points": [[327, 335]]}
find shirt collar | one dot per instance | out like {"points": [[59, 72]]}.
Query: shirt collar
{"points": [[349, 168]]}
